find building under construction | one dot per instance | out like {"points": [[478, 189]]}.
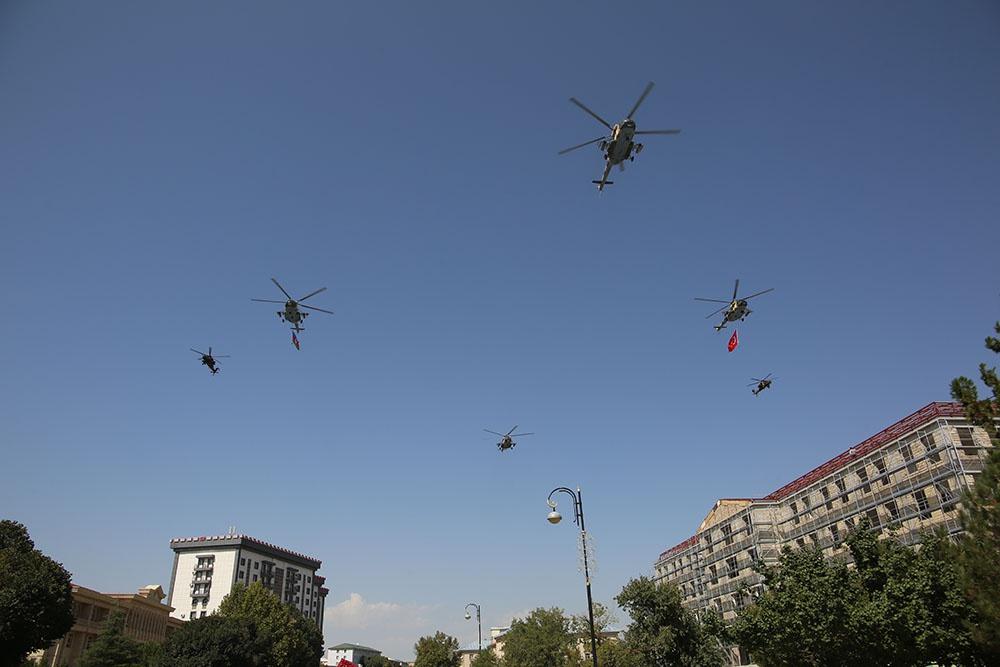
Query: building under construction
{"points": [[909, 477]]}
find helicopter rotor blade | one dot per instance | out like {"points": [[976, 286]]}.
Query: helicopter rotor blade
{"points": [[267, 300], [586, 143], [649, 87], [758, 294], [657, 132], [302, 305], [511, 431], [584, 107], [716, 312], [221, 356], [282, 289], [209, 350], [698, 298], [736, 288], [518, 435], [197, 352], [321, 289], [493, 432]]}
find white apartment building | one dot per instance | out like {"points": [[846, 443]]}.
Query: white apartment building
{"points": [[355, 653], [207, 568], [907, 479]]}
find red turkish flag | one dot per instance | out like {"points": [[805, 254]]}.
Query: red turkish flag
{"points": [[734, 341], [344, 662]]}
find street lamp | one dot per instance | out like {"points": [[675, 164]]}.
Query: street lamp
{"points": [[479, 619], [555, 517]]}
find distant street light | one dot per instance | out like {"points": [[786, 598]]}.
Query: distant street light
{"points": [[555, 517], [479, 619]]}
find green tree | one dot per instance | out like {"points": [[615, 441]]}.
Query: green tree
{"points": [[604, 620], [112, 648], [36, 602], [441, 650], [662, 631], [897, 606], [376, 661], [979, 547], [488, 658], [617, 654], [216, 641], [295, 640], [543, 639]]}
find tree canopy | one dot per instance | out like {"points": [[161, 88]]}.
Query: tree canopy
{"points": [[441, 650], [112, 648], [662, 631], [543, 639], [36, 602], [979, 547], [897, 606], [294, 640], [487, 658], [217, 641]]}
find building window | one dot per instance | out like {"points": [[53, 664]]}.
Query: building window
{"points": [[880, 466], [243, 561], [795, 513], [872, 515], [922, 503], [241, 575], [943, 490], [965, 437], [893, 510], [834, 533], [906, 453], [825, 492], [841, 485], [863, 476], [801, 543], [256, 565], [733, 570], [727, 532], [849, 522]]}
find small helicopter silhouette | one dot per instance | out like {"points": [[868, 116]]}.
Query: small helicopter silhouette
{"points": [[762, 383], [291, 313], [209, 360], [619, 146], [507, 439], [736, 308]]}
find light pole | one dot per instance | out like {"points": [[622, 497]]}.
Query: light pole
{"points": [[554, 517], [479, 619]]}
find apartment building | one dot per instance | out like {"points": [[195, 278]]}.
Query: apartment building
{"points": [[907, 478], [206, 569]]}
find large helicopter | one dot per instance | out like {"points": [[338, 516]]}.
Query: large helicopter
{"points": [[736, 308], [507, 439], [762, 383], [209, 360], [291, 313], [620, 145]]}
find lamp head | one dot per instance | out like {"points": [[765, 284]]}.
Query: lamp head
{"points": [[554, 517]]}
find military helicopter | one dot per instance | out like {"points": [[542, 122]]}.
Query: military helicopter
{"points": [[507, 439], [291, 313], [620, 145], [209, 360], [736, 308], [762, 383]]}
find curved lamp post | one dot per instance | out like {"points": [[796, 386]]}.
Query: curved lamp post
{"points": [[479, 619], [555, 517]]}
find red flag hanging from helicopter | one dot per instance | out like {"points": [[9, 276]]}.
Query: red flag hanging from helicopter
{"points": [[734, 341], [295, 341]]}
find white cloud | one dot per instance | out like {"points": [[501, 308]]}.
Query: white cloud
{"points": [[390, 627]]}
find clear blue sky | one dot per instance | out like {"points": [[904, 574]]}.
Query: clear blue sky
{"points": [[159, 162]]}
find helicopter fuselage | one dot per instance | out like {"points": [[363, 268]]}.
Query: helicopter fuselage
{"points": [[292, 314], [620, 147], [505, 444], [737, 310]]}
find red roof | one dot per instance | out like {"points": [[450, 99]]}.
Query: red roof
{"points": [[922, 416]]}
